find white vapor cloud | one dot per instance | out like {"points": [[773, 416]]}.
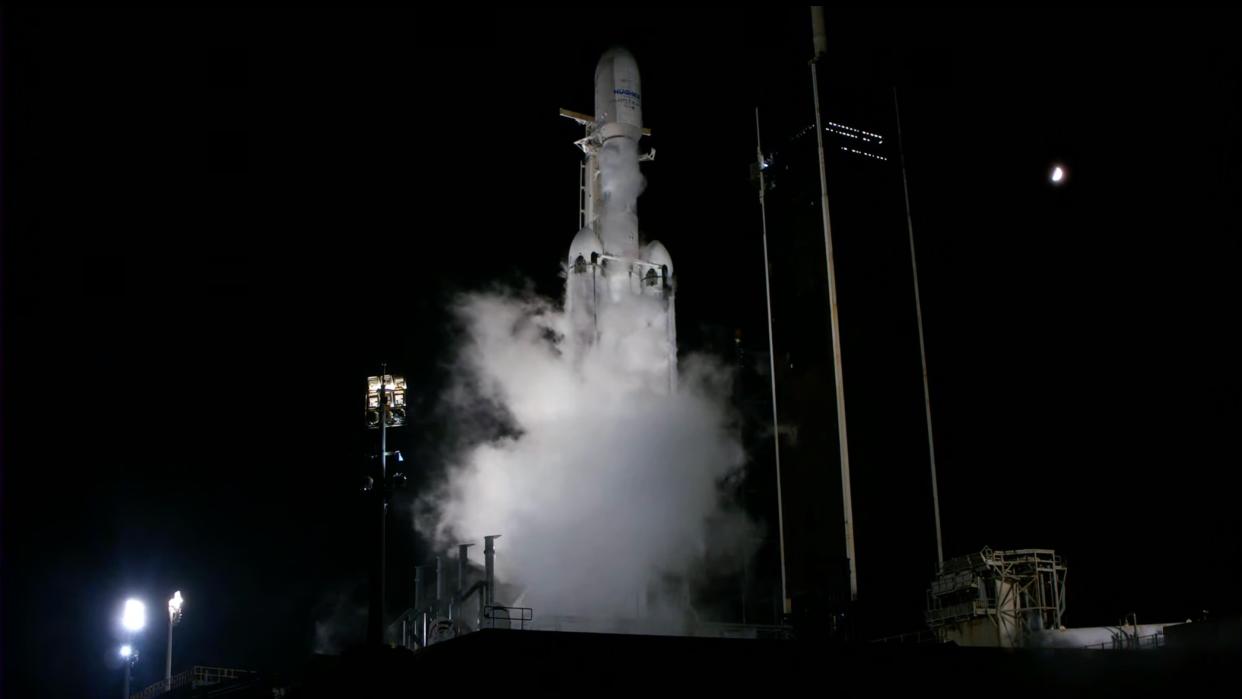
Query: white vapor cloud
{"points": [[604, 484]]}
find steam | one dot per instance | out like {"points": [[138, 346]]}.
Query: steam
{"points": [[621, 182], [604, 482], [601, 479]]}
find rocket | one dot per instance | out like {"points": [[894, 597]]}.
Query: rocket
{"points": [[608, 265]]}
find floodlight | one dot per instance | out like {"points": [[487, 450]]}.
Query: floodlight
{"points": [[135, 615], [385, 401], [174, 607]]}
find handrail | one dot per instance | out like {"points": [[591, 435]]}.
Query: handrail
{"points": [[525, 614], [1125, 641], [196, 676]]}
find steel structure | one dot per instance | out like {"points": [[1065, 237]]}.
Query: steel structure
{"points": [[997, 598], [450, 614]]}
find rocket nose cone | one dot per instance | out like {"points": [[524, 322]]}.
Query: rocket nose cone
{"points": [[616, 56], [618, 91], [617, 66]]}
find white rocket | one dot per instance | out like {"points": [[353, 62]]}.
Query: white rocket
{"points": [[608, 265]]}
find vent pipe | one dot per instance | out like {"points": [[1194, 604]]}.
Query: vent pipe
{"points": [[462, 560], [489, 558], [439, 583], [418, 588]]}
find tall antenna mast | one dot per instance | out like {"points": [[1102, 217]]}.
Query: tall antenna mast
{"points": [[776, 423], [821, 47], [918, 313]]}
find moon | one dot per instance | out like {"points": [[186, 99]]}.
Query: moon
{"points": [[1058, 174]]}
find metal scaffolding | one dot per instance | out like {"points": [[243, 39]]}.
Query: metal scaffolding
{"points": [[997, 598]]}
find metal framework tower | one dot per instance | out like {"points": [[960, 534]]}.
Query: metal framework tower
{"points": [[997, 598]]}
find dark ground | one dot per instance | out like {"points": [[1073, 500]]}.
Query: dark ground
{"points": [[567, 664]]}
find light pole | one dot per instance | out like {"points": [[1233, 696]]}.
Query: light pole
{"points": [[174, 617], [385, 407], [129, 656], [133, 618]]}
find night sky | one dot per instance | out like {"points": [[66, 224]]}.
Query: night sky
{"points": [[217, 224]]}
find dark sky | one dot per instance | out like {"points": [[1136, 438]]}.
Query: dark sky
{"points": [[215, 224]]}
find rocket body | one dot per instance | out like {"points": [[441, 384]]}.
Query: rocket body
{"points": [[609, 269]]}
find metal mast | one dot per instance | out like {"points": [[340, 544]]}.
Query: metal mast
{"points": [[821, 46], [918, 313], [776, 434]]}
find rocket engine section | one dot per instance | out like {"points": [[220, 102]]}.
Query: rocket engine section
{"points": [[608, 267]]}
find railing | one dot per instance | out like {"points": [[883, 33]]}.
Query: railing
{"points": [[746, 631], [1124, 641], [178, 680], [494, 613], [198, 676], [914, 637], [936, 614], [215, 675]]}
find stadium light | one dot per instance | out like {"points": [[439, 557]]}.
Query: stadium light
{"points": [[135, 615]]}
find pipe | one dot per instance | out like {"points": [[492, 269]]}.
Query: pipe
{"points": [[418, 588], [462, 559], [439, 583], [489, 559]]}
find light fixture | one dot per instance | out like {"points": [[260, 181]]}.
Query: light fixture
{"points": [[135, 615], [385, 401], [174, 607]]}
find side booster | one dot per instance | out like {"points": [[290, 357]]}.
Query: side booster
{"points": [[608, 264]]}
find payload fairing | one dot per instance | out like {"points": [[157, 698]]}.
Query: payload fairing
{"points": [[609, 270]]}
